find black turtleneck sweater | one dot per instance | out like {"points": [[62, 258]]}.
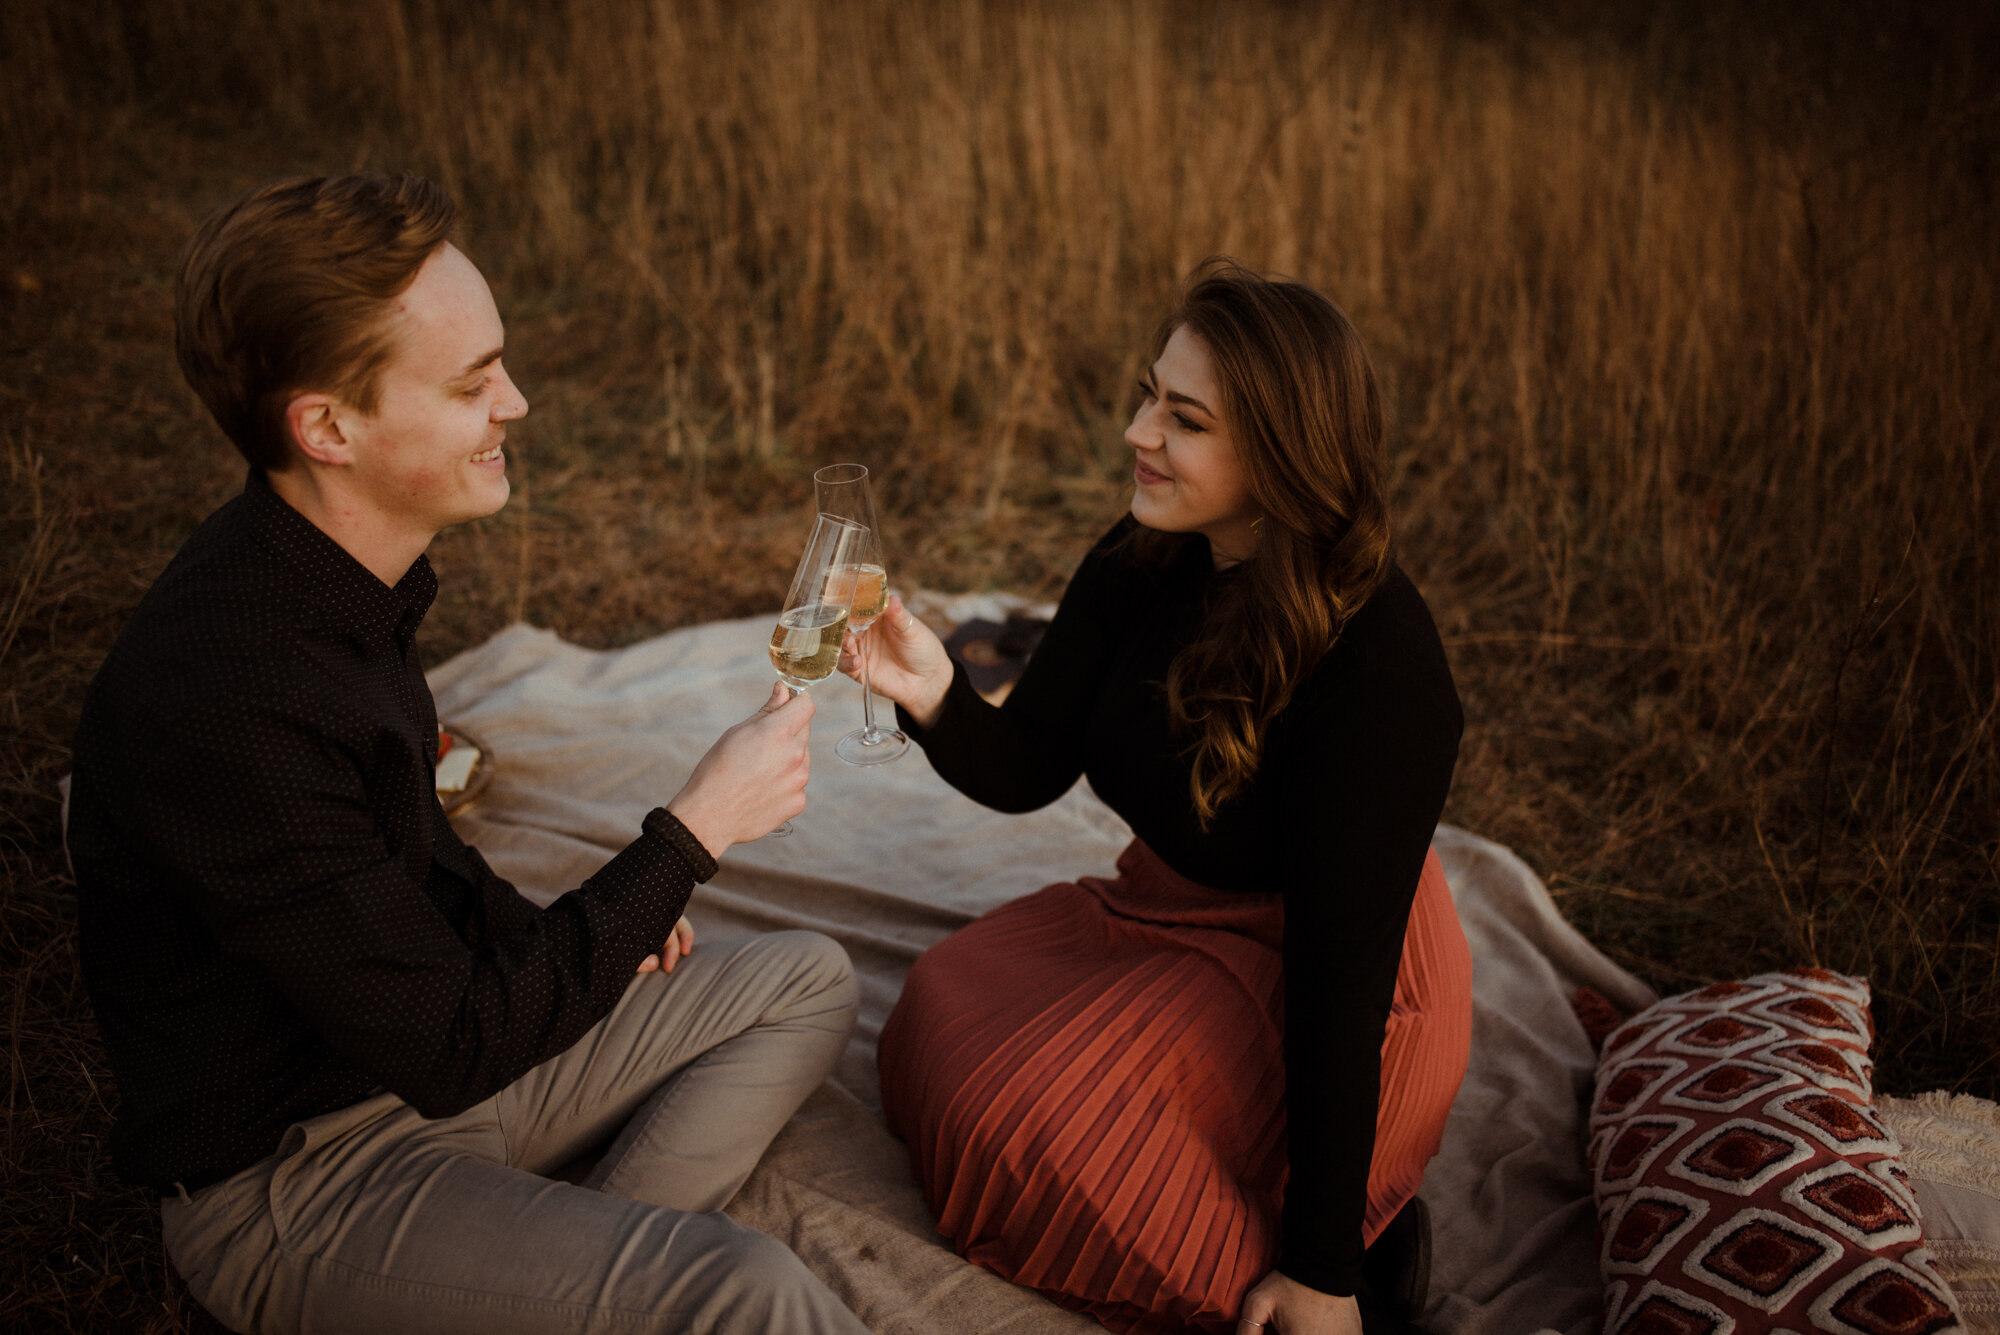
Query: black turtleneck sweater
{"points": [[1339, 819], [274, 917]]}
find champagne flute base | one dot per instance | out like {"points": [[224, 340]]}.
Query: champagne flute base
{"points": [[861, 748]]}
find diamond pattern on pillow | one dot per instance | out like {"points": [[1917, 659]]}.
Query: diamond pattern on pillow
{"points": [[1728, 1086], [1762, 1258], [1744, 1181]]}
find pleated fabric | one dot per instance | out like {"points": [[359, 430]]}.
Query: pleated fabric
{"points": [[1090, 1081]]}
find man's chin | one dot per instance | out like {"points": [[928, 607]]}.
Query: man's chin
{"points": [[489, 500]]}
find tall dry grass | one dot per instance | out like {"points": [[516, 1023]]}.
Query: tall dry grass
{"points": [[1686, 316]]}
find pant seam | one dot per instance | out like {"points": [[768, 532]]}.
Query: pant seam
{"points": [[468, 1298]]}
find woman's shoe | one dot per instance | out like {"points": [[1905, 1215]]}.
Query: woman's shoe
{"points": [[1398, 1265]]}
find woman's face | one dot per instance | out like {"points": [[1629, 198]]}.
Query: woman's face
{"points": [[1190, 477]]}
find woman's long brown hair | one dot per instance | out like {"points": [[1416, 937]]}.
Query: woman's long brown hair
{"points": [[1300, 401]]}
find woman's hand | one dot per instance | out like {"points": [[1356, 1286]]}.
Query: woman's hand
{"points": [[680, 941], [906, 662], [1287, 1307]]}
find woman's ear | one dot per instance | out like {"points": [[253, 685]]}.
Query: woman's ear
{"points": [[314, 423]]}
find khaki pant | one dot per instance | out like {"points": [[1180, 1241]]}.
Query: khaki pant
{"points": [[373, 1219]]}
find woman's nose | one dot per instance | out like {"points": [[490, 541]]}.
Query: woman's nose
{"points": [[1141, 433]]}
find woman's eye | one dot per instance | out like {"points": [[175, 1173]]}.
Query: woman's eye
{"points": [[1188, 423]]}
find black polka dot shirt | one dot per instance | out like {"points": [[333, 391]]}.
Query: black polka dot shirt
{"points": [[275, 919]]}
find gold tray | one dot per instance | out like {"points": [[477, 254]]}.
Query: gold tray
{"points": [[482, 772]]}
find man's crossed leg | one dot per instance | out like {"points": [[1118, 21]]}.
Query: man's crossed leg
{"points": [[375, 1219]]}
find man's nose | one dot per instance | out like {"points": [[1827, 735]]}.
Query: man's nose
{"points": [[511, 404]]}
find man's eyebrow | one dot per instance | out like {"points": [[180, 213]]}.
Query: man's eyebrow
{"points": [[477, 365]]}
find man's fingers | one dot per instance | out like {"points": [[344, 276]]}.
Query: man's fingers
{"points": [[777, 698], [801, 719]]}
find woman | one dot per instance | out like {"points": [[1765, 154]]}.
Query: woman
{"points": [[1193, 1094]]}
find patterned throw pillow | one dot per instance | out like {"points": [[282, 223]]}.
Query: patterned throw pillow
{"points": [[1744, 1182]]}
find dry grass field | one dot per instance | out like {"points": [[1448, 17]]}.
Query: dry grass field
{"points": [[1686, 319]]}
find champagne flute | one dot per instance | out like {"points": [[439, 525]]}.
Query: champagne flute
{"points": [[805, 646], [864, 586]]}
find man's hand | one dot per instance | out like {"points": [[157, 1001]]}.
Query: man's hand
{"points": [[906, 662], [1283, 1306], [680, 941], [753, 779]]}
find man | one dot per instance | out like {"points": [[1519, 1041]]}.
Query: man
{"points": [[345, 1048]]}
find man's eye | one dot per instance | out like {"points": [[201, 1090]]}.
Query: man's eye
{"points": [[475, 391]]}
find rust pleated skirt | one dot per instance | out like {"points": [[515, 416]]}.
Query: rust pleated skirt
{"points": [[1091, 1084]]}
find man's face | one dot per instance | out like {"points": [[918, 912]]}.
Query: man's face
{"points": [[430, 455]]}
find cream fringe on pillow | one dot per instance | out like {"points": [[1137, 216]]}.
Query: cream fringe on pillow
{"points": [[1953, 1140]]}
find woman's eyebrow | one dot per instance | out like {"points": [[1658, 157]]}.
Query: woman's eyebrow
{"points": [[1174, 395]]}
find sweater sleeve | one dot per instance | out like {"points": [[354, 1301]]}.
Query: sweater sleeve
{"points": [[283, 860], [1029, 750], [1360, 787]]}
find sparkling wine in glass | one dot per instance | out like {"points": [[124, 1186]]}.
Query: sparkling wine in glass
{"points": [[805, 645], [863, 584]]}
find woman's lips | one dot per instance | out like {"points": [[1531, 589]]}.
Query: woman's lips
{"points": [[1146, 476]]}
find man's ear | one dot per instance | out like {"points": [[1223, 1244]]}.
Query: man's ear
{"points": [[314, 423]]}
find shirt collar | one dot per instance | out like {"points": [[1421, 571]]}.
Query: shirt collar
{"points": [[338, 591]]}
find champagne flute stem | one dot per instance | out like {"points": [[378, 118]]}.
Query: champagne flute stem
{"points": [[868, 733], [786, 830]]}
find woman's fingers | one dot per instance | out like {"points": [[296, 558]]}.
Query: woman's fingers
{"points": [[1258, 1309], [1281, 1304]]}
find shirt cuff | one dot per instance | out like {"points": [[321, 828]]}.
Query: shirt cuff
{"points": [[1340, 1280], [665, 825], [954, 704]]}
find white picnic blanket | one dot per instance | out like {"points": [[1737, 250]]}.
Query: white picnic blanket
{"points": [[889, 859]]}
